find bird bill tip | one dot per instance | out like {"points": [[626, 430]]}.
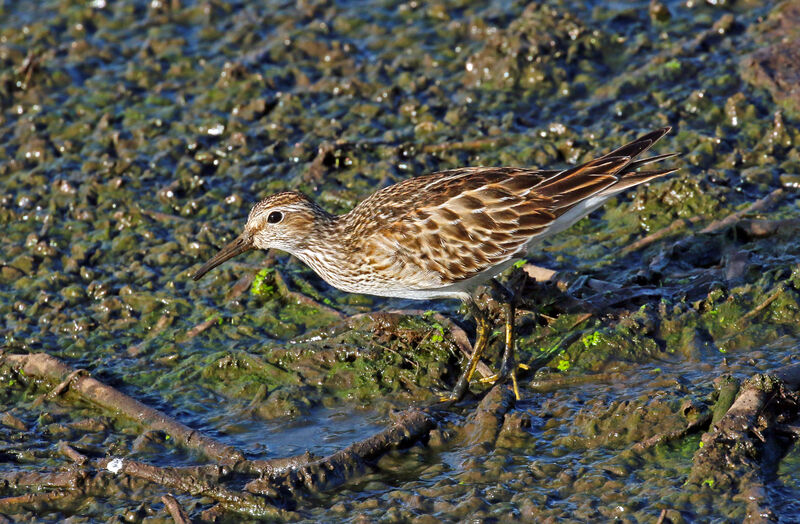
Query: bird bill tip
{"points": [[236, 247]]}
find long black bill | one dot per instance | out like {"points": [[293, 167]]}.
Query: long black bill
{"points": [[240, 245]]}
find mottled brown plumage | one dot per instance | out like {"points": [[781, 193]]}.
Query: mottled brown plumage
{"points": [[443, 234]]}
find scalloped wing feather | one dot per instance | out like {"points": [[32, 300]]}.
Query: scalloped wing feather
{"points": [[448, 227]]}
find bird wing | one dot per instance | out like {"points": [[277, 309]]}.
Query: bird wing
{"points": [[444, 228]]}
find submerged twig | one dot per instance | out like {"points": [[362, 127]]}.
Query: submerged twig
{"points": [[674, 227], [409, 427], [174, 478], [730, 454], [175, 510], [759, 205], [44, 366], [763, 305]]}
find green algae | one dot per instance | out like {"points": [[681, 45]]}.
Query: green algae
{"points": [[138, 136]]}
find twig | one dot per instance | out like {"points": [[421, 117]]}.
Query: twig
{"points": [[66, 479], [763, 305], [241, 285], [175, 510], [279, 466], [542, 274], [481, 430], [410, 426], [764, 228], [759, 205], [674, 227], [160, 325], [60, 388], [33, 500], [202, 326], [239, 502], [71, 453], [49, 368], [729, 454]]}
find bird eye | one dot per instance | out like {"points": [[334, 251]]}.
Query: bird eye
{"points": [[275, 217]]}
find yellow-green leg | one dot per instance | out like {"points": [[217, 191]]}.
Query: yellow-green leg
{"points": [[508, 368], [482, 330]]}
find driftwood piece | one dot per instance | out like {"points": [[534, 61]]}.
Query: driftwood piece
{"points": [[51, 369], [480, 432], [276, 467], [674, 227], [329, 472], [542, 274], [71, 453], [175, 510], [754, 228], [66, 479], [178, 478], [36, 501], [731, 453], [701, 420], [759, 205]]}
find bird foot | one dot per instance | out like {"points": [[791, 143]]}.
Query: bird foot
{"points": [[512, 375]]}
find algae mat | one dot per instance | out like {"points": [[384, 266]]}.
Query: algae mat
{"points": [[135, 136]]}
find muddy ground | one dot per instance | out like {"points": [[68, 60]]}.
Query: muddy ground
{"points": [[135, 136]]}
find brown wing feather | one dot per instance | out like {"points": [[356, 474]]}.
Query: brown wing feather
{"points": [[449, 226]]}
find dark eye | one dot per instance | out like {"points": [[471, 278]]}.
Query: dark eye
{"points": [[275, 217]]}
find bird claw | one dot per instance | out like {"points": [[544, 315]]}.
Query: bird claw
{"points": [[491, 379], [513, 376]]}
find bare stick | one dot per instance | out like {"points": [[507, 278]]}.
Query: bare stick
{"points": [[410, 426], [483, 427], [763, 305], [730, 454], [279, 466], [71, 453], [174, 478], [759, 205], [542, 274], [202, 326], [33, 501], [175, 510], [68, 479], [44, 366], [674, 227]]}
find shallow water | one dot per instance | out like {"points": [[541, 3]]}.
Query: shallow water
{"points": [[135, 136]]}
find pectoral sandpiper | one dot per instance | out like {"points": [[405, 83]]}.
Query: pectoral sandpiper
{"points": [[444, 234]]}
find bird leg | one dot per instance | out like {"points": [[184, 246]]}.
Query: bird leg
{"points": [[482, 330], [507, 366]]}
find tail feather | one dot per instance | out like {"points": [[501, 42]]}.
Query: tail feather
{"points": [[603, 176], [640, 145], [649, 160]]}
